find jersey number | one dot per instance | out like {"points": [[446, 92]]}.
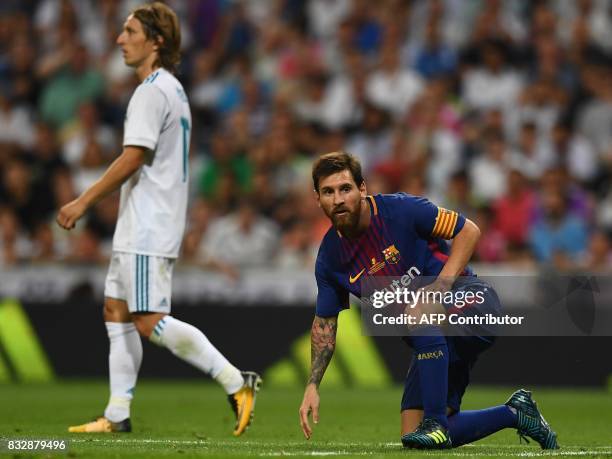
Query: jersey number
{"points": [[185, 126]]}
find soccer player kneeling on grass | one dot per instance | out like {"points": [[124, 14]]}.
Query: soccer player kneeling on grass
{"points": [[400, 234], [153, 174]]}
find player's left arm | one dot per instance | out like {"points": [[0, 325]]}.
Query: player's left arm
{"points": [[431, 222], [322, 346], [130, 160], [464, 244]]}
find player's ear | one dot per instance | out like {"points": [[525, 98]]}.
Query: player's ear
{"points": [[157, 42], [362, 189], [317, 197]]}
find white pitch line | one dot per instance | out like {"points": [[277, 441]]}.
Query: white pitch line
{"points": [[228, 442], [316, 453], [472, 448]]}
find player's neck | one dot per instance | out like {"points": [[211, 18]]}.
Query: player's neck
{"points": [[146, 68]]}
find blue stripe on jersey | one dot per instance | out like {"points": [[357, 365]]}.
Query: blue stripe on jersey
{"points": [[151, 78]]}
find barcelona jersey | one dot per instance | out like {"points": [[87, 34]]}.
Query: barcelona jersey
{"points": [[406, 236]]}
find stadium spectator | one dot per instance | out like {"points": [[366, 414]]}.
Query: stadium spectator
{"points": [[492, 246], [493, 84], [224, 165], [17, 78], [243, 238], [16, 125], [296, 250], [595, 115], [458, 195], [558, 237], [324, 16], [498, 20], [598, 257], [83, 130], [531, 156], [434, 59], [580, 203], [391, 87], [73, 81], [488, 172], [193, 251], [514, 212], [372, 143], [574, 152]]}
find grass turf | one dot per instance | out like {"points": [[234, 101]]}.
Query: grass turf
{"points": [[188, 419]]}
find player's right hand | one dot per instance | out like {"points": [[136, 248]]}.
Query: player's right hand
{"points": [[70, 214], [310, 404]]}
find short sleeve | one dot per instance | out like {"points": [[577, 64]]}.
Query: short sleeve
{"points": [[145, 117], [431, 220], [330, 299]]}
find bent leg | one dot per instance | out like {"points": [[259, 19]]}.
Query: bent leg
{"points": [[430, 361], [191, 345], [468, 426]]}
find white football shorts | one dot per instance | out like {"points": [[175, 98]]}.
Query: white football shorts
{"points": [[143, 281]]}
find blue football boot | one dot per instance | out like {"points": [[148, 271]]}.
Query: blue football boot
{"points": [[531, 423]]}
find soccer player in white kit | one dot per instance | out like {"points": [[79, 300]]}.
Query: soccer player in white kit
{"points": [[152, 171]]}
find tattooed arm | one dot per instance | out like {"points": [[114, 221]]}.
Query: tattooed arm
{"points": [[322, 345]]}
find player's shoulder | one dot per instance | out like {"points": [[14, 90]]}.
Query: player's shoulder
{"points": [[328, 247], [390, 203], [149, 89], [329, 240], [165, 83]]}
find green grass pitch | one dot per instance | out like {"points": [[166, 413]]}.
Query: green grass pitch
{"points": [[189, 419]]}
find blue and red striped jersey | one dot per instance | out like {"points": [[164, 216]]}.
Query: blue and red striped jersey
{"points": [[406, 236]]}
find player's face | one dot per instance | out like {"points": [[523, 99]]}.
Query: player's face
{"points": [[341, 198], [134, 44]]}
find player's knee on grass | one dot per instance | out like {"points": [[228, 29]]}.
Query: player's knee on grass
{"points": [[145, 322]]}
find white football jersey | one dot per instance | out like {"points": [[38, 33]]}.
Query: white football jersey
{"points": [[153, 206]]}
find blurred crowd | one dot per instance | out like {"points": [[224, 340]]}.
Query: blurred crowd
{"points": [[499, 109]]}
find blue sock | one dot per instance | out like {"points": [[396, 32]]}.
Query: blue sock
{"points": [[468, 426], [431, 354]]}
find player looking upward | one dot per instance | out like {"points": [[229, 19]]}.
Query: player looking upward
{"points": [[391, 235], [153, 174]]}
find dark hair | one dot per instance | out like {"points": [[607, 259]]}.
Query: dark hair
{"points": [[332, 163], [161, 25]]}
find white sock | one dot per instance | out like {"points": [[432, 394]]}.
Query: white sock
{"points": [[124, 361], [190, 344]]}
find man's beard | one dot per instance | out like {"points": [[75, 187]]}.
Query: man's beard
{"points": [[347, 222]]}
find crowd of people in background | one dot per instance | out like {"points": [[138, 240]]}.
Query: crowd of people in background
{"points": [[501, 110]]}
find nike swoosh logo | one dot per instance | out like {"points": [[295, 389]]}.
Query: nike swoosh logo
{"points": [[353, 279]]}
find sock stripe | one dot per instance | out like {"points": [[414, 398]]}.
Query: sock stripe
{"points": [[159, 327]]}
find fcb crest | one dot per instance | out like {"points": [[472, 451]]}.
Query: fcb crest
{"points": [[392, 255]]}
